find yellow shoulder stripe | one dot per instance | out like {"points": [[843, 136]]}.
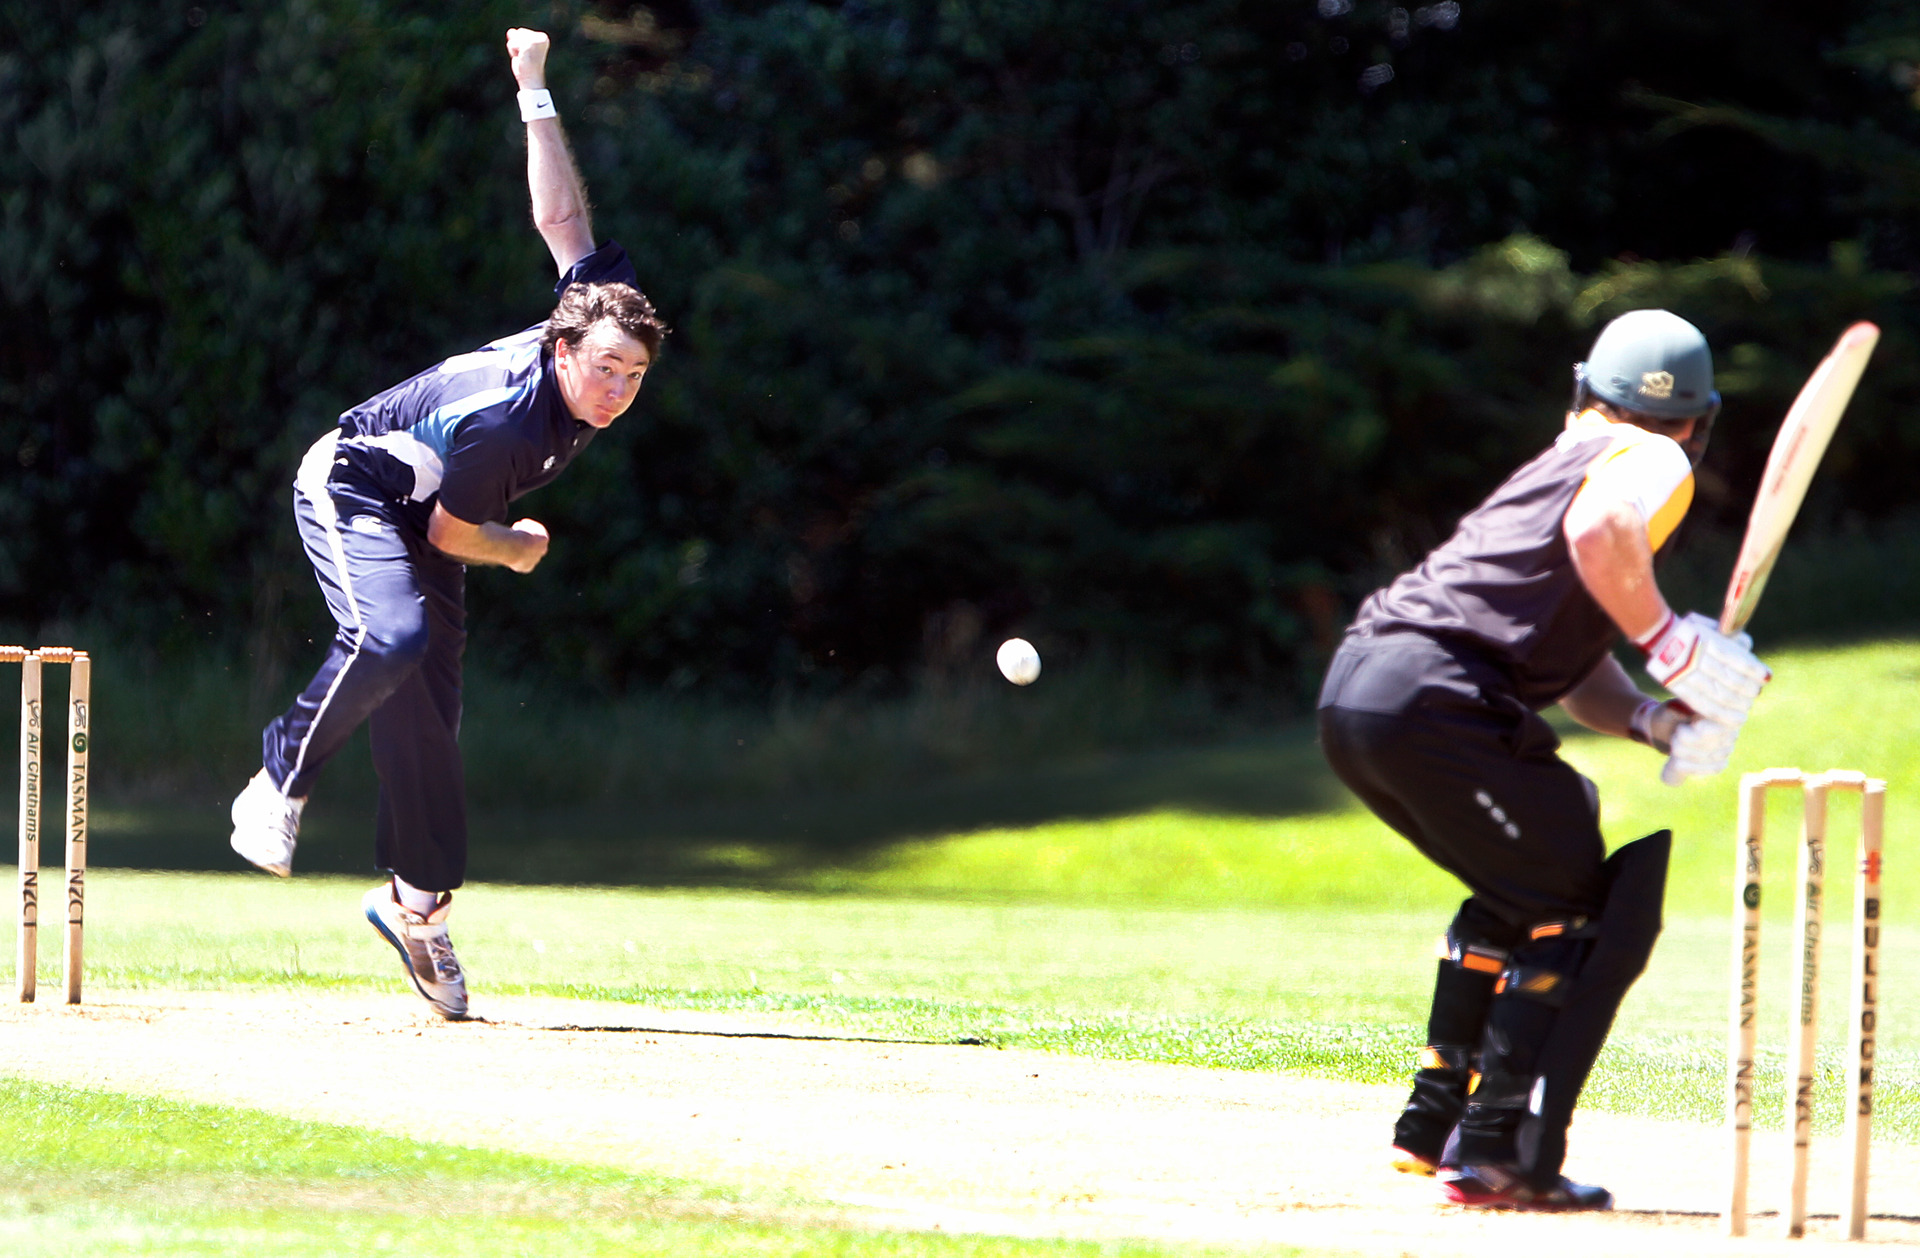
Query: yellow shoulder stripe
{"points": [[1662, 519], [1671, 512]]}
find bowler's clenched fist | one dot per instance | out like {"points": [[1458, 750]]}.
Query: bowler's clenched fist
{"points": [[527, 52]]}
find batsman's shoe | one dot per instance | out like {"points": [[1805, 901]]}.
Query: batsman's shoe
{"points": [[1439, 1095], [1501, 1188], [266, 825], [1409, 1162], [425, 951]]}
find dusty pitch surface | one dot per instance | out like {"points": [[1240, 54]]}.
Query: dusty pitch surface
{"points": [[961, 1138]]}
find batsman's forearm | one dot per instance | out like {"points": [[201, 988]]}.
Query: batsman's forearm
{"points": [[1605, 700]]}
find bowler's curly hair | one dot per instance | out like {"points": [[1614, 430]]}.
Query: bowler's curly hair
{"points": [[584, 305]]}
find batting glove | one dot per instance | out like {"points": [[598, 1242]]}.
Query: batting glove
{"points": [[1715, 675], [1701, 748], [1653, 723]]}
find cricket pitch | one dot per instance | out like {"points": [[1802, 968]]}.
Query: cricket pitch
{"points": [[912, 1135]]}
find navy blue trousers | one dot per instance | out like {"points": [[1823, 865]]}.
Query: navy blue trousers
{"points": [[394, 662]]}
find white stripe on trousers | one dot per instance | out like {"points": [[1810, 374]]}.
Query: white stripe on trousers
{"points": [[311, 483]]}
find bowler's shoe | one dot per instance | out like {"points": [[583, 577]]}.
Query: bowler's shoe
{"points": [[425, 951]]}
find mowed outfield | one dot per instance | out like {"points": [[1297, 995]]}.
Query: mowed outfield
{"points": [[1168, 1032]]}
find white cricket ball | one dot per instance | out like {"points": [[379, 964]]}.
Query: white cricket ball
{"points": [[1019, 662]]}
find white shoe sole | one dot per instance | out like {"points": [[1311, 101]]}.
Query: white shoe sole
{"points": [[278, 869], [275, 853]]}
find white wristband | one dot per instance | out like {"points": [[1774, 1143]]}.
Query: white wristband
{"points": [[537, 104], [1645, 640]]}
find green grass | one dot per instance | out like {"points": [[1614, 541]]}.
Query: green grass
{"points": [[178, 731], [1222, 906], [1240, 915], [97, 1173], [1256, 820], [1842, 707], [104, 1231], [1827, 708], [1338, 993]]}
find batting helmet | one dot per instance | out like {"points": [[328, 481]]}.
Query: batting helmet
{"points": [[1653, 362]]}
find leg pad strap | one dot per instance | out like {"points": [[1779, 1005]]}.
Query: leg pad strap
{"points": [[1536, 982], [1473, 955], [1449, 1058]]}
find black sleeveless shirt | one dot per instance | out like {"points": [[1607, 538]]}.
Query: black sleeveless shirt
{"points": [[1501, 595]]}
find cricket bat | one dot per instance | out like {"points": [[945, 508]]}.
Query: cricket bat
{"points": [[1796, 453]]}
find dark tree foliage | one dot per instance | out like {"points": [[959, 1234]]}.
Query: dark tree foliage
{"points": [[1161, 329], [221, 225]]}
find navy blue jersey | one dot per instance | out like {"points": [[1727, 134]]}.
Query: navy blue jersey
{"points": [[478, 430]]}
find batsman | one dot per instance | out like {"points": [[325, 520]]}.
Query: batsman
{"points": [[1430, 714], [392, 505]]}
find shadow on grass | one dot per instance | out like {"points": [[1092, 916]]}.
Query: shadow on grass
{"points": [[685, 789], [768, 841]]}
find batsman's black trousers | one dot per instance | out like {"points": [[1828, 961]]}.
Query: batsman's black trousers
{"points": [[394, 662], [1467, 774]]}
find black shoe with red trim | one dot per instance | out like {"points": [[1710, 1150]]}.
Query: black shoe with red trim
{"points": [[1490, 1187]]}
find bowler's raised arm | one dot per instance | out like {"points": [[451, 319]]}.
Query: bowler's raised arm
{"points": [[553, 181]]}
